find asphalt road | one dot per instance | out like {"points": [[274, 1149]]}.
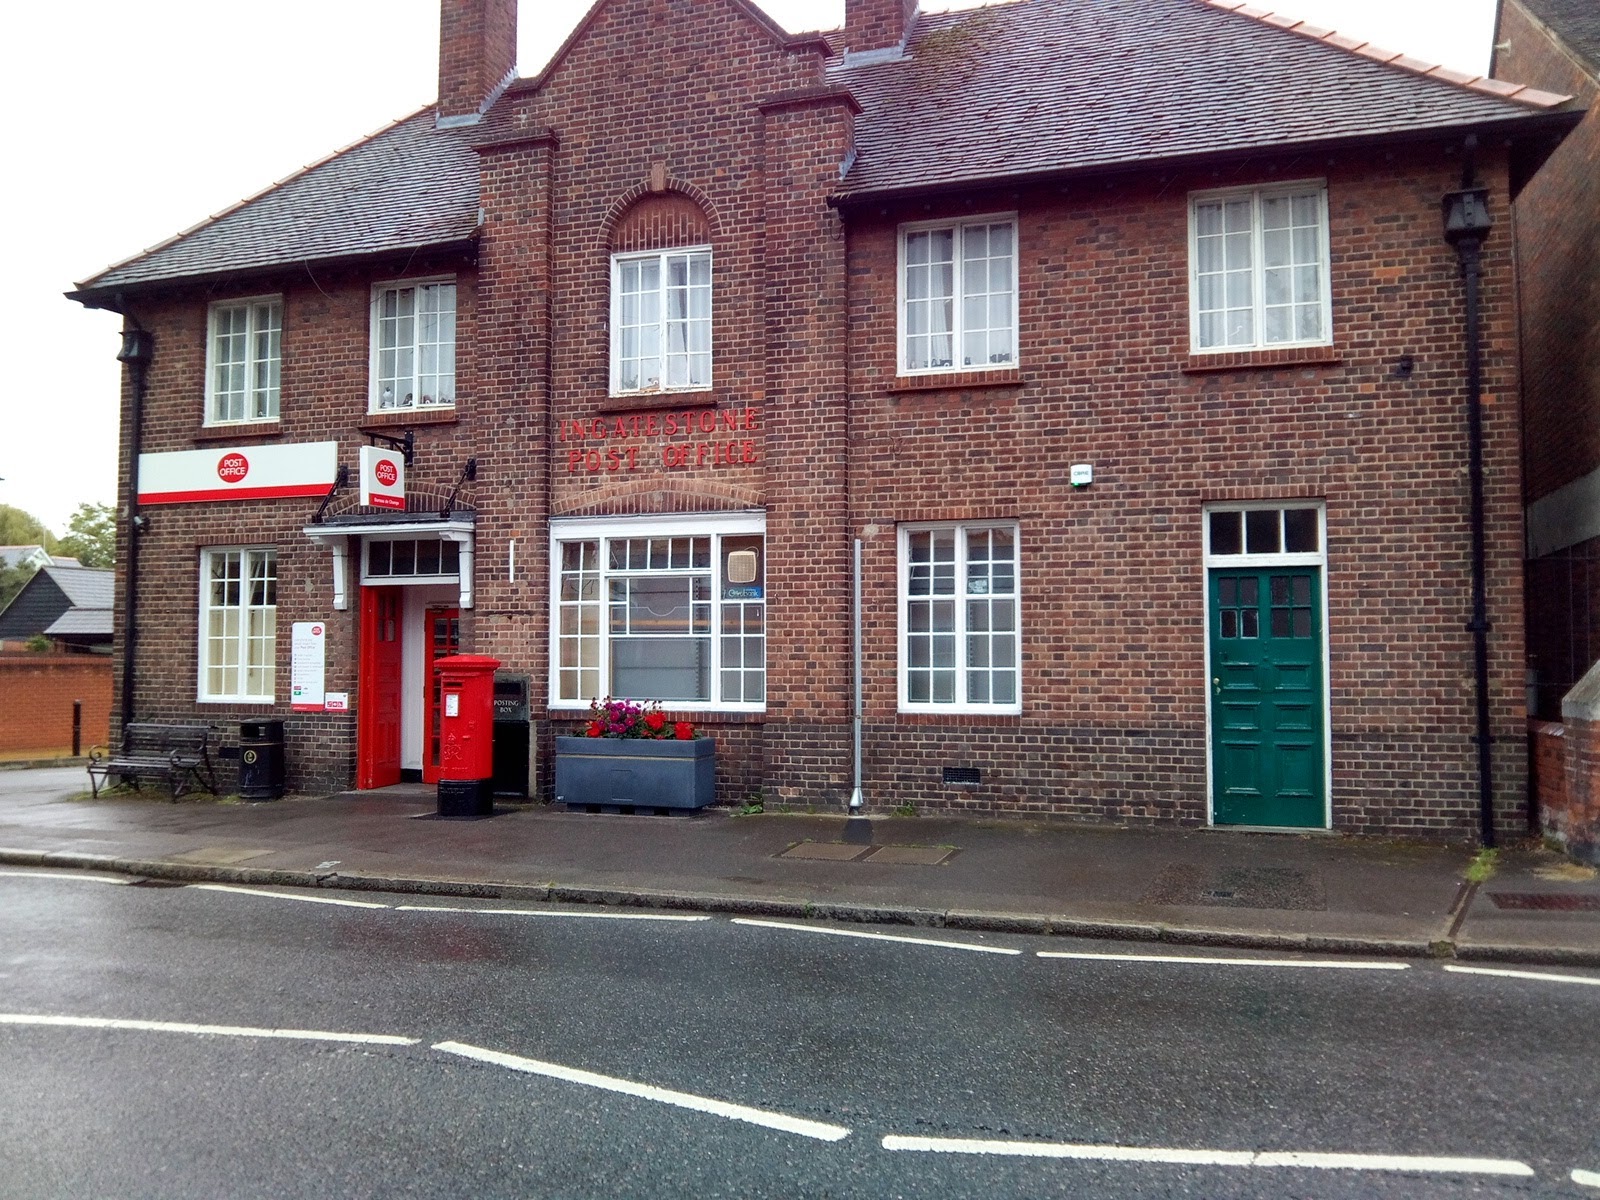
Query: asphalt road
{"points": [[493, 1053]]}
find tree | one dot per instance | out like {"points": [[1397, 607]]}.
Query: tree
{"points": [[12, 581], [18, 528], [92, 535]]}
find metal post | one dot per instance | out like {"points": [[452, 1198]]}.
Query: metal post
{"points": [[77, 728], [856, 799]]}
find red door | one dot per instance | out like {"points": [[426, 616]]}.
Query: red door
{"points": [[378, 696], [443, 633]]}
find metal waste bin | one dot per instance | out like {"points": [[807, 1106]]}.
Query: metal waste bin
{"points": [[261, 760], [511, 714]]}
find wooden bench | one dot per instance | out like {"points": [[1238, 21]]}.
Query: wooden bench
{"points": [[178, 754]]}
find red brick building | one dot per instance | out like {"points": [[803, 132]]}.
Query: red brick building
{"points": [[1122, 336]]}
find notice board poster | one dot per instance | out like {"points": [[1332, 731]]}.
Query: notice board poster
{"points": [[308, 658]]}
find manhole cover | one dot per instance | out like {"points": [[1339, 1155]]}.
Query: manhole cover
{"points": [[824, 851], [1238, 887], [911, 856], [1545, 901]]}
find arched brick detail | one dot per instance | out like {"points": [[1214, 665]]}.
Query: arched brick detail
{"points": [[658, 498], [671, 203], [660, 221]]}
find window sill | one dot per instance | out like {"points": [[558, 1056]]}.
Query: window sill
{"points": [[952, 381], [246, 432], [1262, 360], [640, 401], [699, 718], [391, 418], [923, 717]]}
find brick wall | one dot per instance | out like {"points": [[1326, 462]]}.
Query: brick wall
{"points": [[37, 692]]}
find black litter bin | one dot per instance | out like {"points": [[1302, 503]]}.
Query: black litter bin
{"points": [[261, 760], [511, 735]]}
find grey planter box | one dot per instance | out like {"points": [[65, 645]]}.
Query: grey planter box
{"points": [[635, 772]]}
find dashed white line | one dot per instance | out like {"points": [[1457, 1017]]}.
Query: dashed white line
{"points": [[1215, 1158], [1587, 1178], [875, 937], [246, 891], [1543, 976], [1315, 963], [308, 1035], [525, 912], [644, 1091], [60, 875]]}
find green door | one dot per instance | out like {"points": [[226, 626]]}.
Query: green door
{"points": [[1267, 718]]}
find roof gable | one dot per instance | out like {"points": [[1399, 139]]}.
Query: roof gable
{"points": [[1040, 87], [1575, 22]]}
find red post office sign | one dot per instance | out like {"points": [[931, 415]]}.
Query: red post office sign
{"points": [[383, 478]]}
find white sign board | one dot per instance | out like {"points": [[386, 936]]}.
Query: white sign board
{"points": [[383, 478], [337, 702], [308, 656], [238, 473]]}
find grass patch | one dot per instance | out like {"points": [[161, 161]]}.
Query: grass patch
{"points": [[1483, 866]]}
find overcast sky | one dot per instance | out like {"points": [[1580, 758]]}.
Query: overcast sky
{"points": [[130, 120]]}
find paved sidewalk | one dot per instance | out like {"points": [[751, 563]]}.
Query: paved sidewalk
{"points": [[1314, 892]]}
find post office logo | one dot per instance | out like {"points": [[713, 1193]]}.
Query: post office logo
{"points": [[232, 467]]}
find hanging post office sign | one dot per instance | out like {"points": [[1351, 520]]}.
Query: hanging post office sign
{"points": [[383, 478], [238, 473]]}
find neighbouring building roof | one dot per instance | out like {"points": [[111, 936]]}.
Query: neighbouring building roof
{"points": [[1575, 22], [1030, 88], [13, 556], [84, 587], [405, 187], [82, 622], [1039, 87]]}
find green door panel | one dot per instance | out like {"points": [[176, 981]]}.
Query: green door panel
{"points": [[1268, 723]]}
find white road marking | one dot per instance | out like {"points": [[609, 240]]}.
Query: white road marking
{"points": [[1214, 1158], [1540, 975], [524, 912], [1321, 964], [1587, 1178], [644, 1091], [60, 875], [309, 1035], [245, 891], [875, 937]]}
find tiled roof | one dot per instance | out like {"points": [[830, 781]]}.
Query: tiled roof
{"points": [[82, 622], [407, 186], [85, 587], [1576, 22], [1043, 86]]}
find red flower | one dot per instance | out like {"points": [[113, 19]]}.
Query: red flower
{"points": [[683, 731], [594, 730], [655, 722]]}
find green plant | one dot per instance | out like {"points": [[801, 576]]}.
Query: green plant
{"points": [[752, 806], [1483, 866], [908, 809]]}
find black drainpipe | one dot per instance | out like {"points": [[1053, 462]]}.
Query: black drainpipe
{"points": [[138, 347], [1466, 226]]}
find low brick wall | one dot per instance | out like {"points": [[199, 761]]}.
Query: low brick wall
{"points": [[37, 692], [1565, 761]]}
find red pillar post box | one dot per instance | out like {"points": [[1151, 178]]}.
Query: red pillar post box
{"points": [[466, 735]]}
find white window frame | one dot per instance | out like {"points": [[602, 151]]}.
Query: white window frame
{"points": [[959, 294], [663, 323], [563, 531], [255, 395], [375, 399], [1258, 268], [960, 596], [242, 637]]}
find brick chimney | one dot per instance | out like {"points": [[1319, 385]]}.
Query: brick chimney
{"points": [[876, 24], [477, 56]]}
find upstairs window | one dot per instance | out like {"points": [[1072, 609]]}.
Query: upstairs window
{"points": [[243, 349], [661, 321], [1258, 269], [413, 346], [958, 296]]}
